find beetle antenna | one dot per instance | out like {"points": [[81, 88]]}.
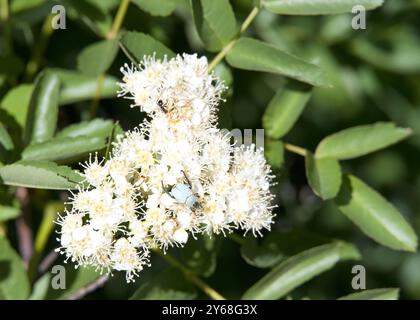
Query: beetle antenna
{"points": [[186, 178]]}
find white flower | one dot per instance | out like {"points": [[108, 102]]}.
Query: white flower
{"points": [[95, 173], [181, 236], [180, 87], [125, 257], [128, 207]]}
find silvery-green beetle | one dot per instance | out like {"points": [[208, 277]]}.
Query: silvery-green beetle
{"points": [[182, 193]]}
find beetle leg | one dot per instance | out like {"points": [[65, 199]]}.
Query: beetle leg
{"points": [[186, 178], [167, 190]]}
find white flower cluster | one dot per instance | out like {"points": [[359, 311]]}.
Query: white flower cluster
{"points": [[174, 176]]}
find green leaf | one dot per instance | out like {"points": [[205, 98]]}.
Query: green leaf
{"points": [[16, 102], [93, 15], [79, 87], [324, 175], [61, 149], [374, 294], [8, 212], [157, 8], [360, 140], [40, 174], [298, 269], [75, 87], [170, 284], [136, 45], [5, 139], [41, 287], [21, 5], [374, 215], [43, 109], [397, 53], [274, 153], [224, 73], [277, 246], [96, 127], [215, 22], [96, 59], [14, 283], [317, 7], [252, 54], [285, 108], [200, 256]]}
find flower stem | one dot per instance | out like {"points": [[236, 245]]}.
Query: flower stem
{"points": [[82, 292], [23, 226], [191, 276], [247, 22], [111, 35], [118, 20], [5, 25], [43, 234], [95, 102], [38, 51], [295, 149]]}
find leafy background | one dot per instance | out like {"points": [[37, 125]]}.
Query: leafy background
{"points": [[58, 103]]}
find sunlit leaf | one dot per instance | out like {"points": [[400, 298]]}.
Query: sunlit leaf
{"points": [[8, 212], [324, 175], [214, 21], [136, 45], [97, 127], [317, 7], [285, 108], [97, 57], [79, 87], [16, 102], [374, 215], [61, 149], [157, 8], [299, 269], [39, 174], [14, 283], [358, 141], [42, 115], [277, 246], [274, 153], [252, 54], [373, 294], [5, 139]]}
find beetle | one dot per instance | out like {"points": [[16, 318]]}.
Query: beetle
{"points": [[164, 106], [182, 193]]}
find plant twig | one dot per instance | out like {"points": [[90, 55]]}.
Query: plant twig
{"points": [[39, 48], [5, 25], [48, 260], [43, 235], [112, 34], [23, 227], [296, 149], [247, 22], [95, 102], [118, 20], [110, 140], [82, 292], [191, 276]]}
